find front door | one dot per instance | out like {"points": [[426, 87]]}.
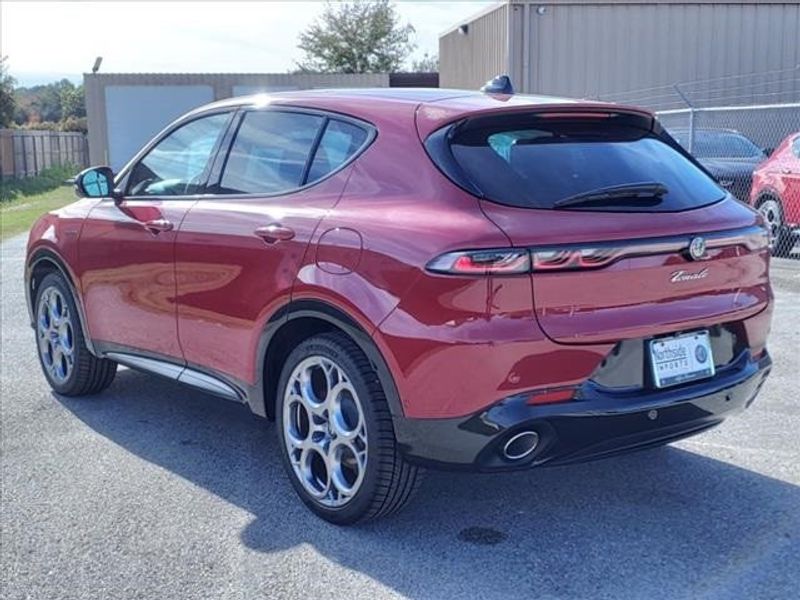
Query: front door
{"points": [[127, 246]]}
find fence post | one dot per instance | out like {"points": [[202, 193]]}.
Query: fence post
{"points": [[24, 157], [688, 103]]}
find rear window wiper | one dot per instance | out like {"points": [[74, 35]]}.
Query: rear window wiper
{"points": [[649, 191]]}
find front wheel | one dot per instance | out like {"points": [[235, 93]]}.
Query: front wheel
{"points": [[67, 364], [336, 436]]}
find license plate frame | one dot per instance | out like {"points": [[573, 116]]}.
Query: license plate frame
{"points": [[682, 358]]}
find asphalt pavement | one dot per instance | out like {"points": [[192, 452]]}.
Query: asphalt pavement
{"points": [[153, 490]]}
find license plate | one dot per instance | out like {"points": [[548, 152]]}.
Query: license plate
{"points": [[681, 358]]}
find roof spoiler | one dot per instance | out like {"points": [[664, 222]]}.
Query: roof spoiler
{"points": [[499, 85]]}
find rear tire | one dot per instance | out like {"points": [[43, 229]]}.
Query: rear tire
{"points": [[780, 241], [336, 436], [67, 364]]}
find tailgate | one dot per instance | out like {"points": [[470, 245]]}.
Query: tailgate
{"points": [[640, 284], [654, 288]]}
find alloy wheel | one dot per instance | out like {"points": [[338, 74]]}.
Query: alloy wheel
{"points": [[325, 431], [771, 212], [56, 335]]}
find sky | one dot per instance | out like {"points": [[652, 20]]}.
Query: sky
{"points": [[46, 41]]}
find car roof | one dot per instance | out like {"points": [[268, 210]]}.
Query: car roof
{"points": [[433, 107]]}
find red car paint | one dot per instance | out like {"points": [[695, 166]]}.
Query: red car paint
{"points": [[203, 292], [779, 176]]}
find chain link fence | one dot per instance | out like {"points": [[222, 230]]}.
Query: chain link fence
{"points": [[746, 131]]}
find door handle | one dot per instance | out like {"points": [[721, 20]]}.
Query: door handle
{"points": [[786, 171], [156, 226], [275, 233]]}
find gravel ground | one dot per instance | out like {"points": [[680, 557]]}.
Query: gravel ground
{"points": [[157, 491]]}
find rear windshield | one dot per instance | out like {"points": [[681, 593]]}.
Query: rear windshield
{"points": [[535, 162]]}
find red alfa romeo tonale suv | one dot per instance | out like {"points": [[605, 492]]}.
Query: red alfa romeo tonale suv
{"points": [[411, 278]]}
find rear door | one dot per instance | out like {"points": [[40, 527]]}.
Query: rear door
{"points": [[240, 246], [127, 247], [609, 209]]}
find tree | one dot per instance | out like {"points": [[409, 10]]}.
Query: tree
{"points": [[7, 103], [427, 64], [72, 101], [363, 36]]}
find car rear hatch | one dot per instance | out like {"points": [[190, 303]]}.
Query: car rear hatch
{"points": [[628, 236]]}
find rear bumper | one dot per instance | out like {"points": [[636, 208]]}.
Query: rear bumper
{"points": [[600, 424]]}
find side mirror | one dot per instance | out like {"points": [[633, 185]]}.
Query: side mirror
{"points": [[95, 182]]}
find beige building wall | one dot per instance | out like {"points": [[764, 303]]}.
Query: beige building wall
{"points": [[467, 59]]}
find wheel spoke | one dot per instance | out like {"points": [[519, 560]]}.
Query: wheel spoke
{"points": [[55, 312], [65, 339], [55, 365], [44, 343]]}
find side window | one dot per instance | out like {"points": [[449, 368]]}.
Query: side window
{"points": [[270, 152], [175, 166], [796, 146], [339, 142]]}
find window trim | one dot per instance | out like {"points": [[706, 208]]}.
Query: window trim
{"points": [[221, 160], [121, 180]]}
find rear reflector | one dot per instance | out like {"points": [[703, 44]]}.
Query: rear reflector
{"points": [[552, 396]]}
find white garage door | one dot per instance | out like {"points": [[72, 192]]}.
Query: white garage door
{"points": [[136, 113]]}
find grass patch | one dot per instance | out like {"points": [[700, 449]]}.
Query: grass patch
{"points": [[22, 201]]}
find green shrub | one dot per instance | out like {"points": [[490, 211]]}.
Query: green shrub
{"points": [[48, 179], [73, 124], [40, 126]]}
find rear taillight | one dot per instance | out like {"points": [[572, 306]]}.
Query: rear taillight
{"points": [[756, 239], [482, 262], [573, 258], [512, 261]]}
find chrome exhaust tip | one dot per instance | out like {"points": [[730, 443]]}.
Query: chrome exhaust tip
{"points": [[520, 445]]}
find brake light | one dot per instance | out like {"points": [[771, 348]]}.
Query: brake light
{"points": [[482, 262], [576, 115]]}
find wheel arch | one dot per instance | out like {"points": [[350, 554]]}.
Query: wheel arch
{"points": [[299, 320], [42, 262], [768, 193]]}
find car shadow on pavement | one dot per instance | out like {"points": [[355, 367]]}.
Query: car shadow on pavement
{"points": [[661, 523]]}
